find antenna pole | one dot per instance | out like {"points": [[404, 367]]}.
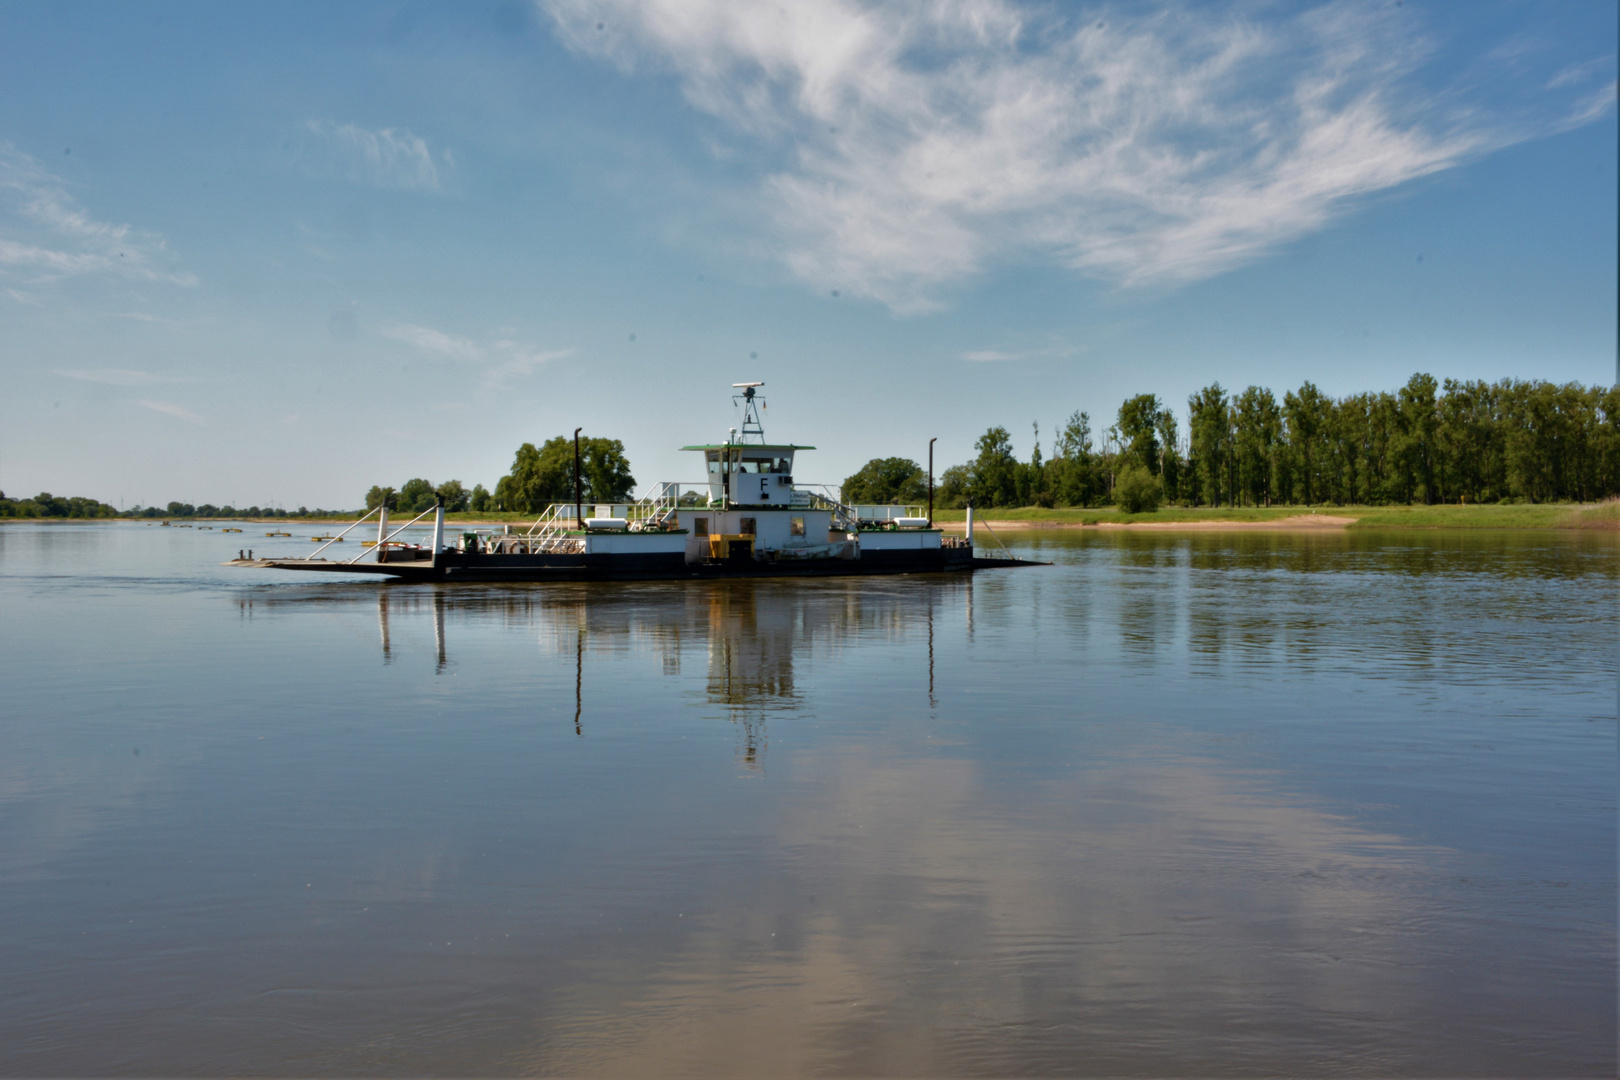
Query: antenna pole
{"points": [[750, 407], [931, 443], [579, 513]]}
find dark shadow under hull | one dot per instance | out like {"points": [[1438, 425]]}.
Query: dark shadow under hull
{"points": [[457, 566]]}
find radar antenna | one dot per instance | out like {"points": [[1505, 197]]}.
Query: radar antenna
{"points": [[750, 406]]}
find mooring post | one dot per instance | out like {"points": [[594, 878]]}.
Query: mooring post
{"points": [[970, 523], [579, 512], [382, 527]]}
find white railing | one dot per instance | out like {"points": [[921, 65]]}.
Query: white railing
{"points": [[854, 516], [384, 538], [657, 508], [882, 514], [381, 547], [843, 517], [549, 536], [341, 535]]}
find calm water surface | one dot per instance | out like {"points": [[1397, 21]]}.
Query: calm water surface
{"points": [[1195, 804]]}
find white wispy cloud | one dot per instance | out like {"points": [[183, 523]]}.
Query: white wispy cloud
{"points": [[990, 356], [176, 411], [1594, 106], [387, 157], [500, 362], [917, 142], [435, 341], [1576, 74], [121, 377], [518, 363], [45, 235]]}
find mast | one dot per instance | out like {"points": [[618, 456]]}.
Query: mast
{"points": [[750, 421]]}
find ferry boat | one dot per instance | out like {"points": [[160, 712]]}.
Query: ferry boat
{"points": [[748, 519]]}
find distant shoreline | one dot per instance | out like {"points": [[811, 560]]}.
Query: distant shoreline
{"points": [[1601, 516], [1297, 522]]}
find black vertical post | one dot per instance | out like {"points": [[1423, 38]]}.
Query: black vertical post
{"points": [[579, 513], [931, 481]]}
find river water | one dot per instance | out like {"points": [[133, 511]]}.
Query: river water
{"points": [[1323, 804]]}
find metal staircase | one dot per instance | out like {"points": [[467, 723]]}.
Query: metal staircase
{"points": [[548, 535], [657, 509]]}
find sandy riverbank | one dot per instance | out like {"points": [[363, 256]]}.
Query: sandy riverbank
{"points": [[1308, 522]]}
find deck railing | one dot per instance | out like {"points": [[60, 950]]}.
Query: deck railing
{"points": [[873, 514], [550, 531], [822, 497], [384, 537]]}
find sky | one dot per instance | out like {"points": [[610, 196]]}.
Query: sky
{"points": [[273, 254]]}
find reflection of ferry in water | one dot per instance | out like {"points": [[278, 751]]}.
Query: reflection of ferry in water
{"points": [[748, 520]]}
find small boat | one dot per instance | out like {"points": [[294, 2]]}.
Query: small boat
{"points": [[749, 519]]}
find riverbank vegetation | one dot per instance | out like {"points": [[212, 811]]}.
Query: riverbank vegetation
{"points": [[1513, 454], [46, 505], [1604, 515], [1426, 444], [540, 477]]}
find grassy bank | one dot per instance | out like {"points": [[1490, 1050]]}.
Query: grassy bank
{"points": [[1107, 515], [1493, 516]]}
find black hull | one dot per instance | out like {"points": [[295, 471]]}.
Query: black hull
{"points": [[458, 566]]}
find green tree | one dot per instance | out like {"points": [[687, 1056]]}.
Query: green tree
{"points": [[453, 495], [1606, 442], [1306, 414], [480, 500], [543, 476], [995, 481], [605, 471], [1169, 457], [539, 477], [1073, 468], [954, 488], [887, 480], [1138, 426], [1417, 418], [415, 495], [1211, 444], [1136, 490], [1034, 484], [1257, 433]]}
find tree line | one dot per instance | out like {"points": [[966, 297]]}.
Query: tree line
{"points": [[1427, 442], [209, 510], [416, 495], [46, 505], [539, 477]]}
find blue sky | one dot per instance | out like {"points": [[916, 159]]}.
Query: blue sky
{"points": [[283, 252]]}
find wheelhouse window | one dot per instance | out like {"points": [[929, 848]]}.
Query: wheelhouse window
{"points": [[796, 526], [700, 526], [746, 528]]}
